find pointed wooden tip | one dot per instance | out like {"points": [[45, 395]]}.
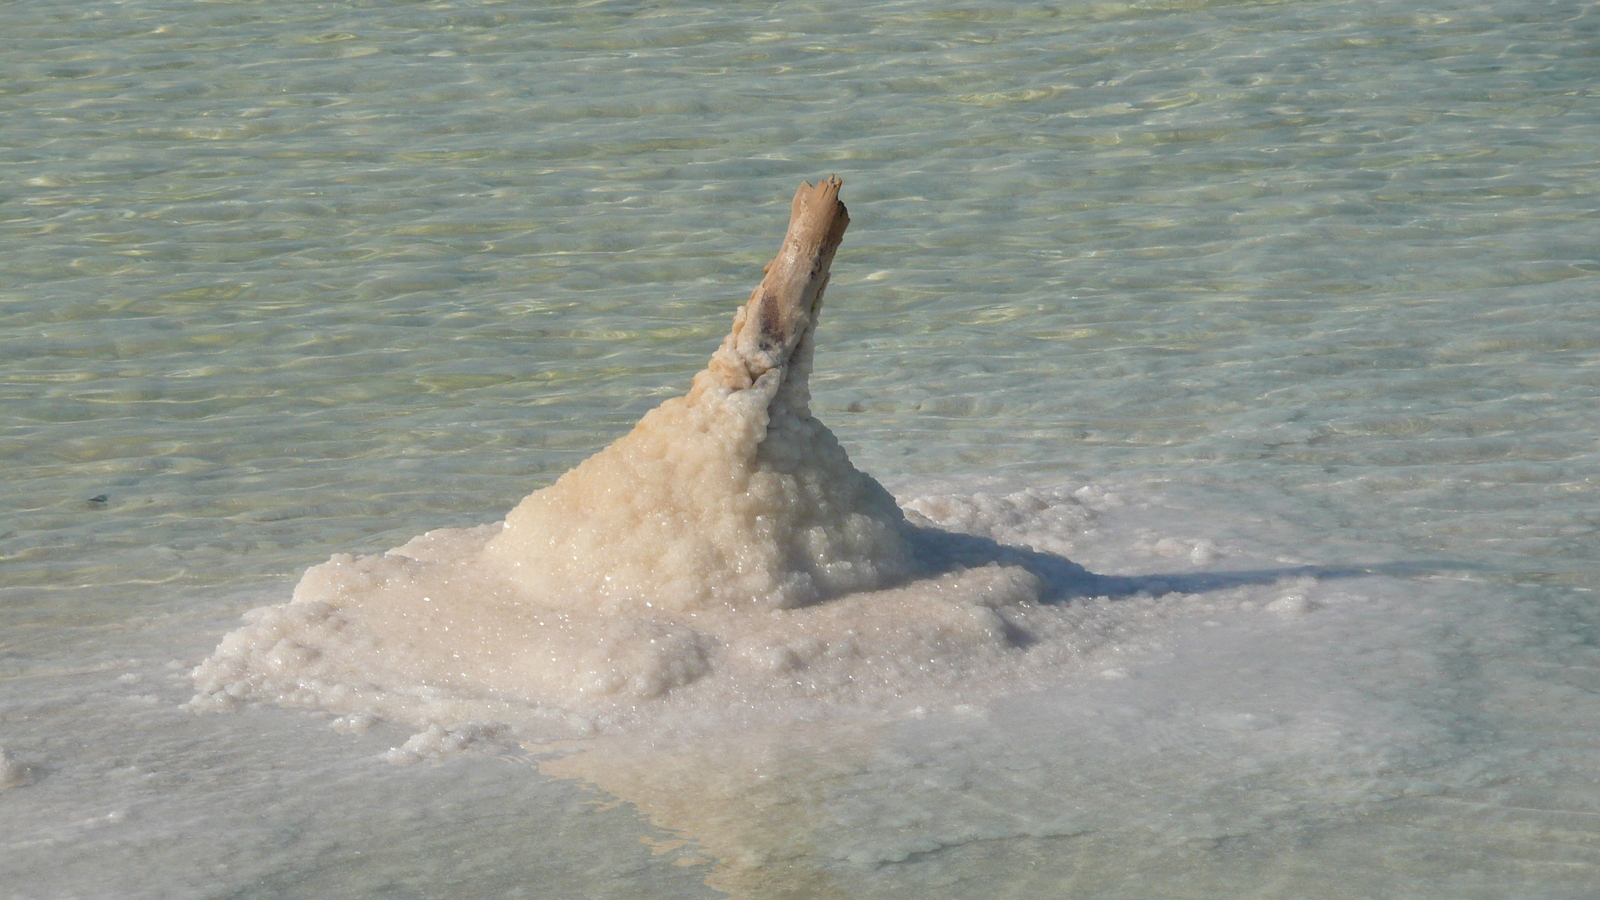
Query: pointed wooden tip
{"points": [[817, 211], [783, 309]]}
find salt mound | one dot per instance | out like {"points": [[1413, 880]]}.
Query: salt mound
{"points": [[730, 498], [725, 552]]}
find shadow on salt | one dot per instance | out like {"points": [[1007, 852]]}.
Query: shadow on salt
{"points": [[1061, 580]]}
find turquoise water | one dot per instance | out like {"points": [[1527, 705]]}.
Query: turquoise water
{"points": [[281, 279]]}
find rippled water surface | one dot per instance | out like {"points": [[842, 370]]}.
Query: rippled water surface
{"points": [[280, 278]]}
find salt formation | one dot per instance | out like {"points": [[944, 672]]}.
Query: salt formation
{"points": [[731, 497], [725, 552]]}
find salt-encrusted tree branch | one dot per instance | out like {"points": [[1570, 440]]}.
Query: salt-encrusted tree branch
{"points": [[778, 320]]}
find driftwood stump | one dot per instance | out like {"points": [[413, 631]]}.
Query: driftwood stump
{"points": [[783, 309]]}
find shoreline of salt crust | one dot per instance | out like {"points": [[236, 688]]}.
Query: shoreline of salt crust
{"points": [[722, 563]]}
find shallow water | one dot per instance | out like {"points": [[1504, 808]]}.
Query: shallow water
{"points": [[1311, 284]]}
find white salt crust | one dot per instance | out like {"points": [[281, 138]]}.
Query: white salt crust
{"points": [[723, 563]]}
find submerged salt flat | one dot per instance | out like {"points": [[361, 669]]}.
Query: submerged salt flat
{"points": [[1272, 722]]}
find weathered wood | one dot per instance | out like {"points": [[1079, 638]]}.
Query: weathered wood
{"points": [[783, 309]]}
